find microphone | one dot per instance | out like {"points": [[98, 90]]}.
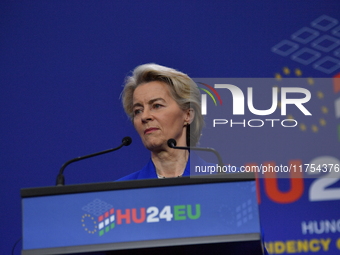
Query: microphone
{"points": [[61, 179], [172, 144]]}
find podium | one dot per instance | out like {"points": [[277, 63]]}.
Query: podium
{"points": [[183, 215]]}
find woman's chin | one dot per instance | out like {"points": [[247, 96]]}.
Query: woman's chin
{"points": [[155, 146]]}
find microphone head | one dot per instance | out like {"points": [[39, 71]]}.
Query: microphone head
{"points": [[127, 140], [172, 143]]}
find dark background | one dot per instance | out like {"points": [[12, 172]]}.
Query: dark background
{"points": [[63, 64]]}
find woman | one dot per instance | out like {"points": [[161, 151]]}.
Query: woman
{"points": [[163, 103]]}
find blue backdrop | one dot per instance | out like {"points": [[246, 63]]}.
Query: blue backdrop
{"points": [[63, 64]]}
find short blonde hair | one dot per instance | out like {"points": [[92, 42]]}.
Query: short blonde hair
{"points": [[182, 88]]}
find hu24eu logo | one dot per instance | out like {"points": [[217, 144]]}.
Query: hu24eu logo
{"points": [[102, 222]]}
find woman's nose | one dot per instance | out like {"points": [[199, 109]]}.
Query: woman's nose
{"points": [[146, 116]]}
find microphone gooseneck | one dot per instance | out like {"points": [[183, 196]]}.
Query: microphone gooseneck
{"points": [[61, 179], [172, 144]]}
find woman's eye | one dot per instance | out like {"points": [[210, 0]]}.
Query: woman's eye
{"points": [[157, 106], [137, 111]]}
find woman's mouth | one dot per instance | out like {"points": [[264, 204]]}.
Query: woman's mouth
{"points": [[149, 130]]}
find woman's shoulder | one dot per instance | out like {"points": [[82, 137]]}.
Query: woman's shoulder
{"points": [[133, 176]]}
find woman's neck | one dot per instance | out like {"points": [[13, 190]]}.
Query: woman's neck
{"points": [[170, 163]]}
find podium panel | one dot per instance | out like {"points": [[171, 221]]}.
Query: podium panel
{"points": [[143, 214]]}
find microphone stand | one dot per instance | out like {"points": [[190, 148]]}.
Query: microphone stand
{"points": [[172, 144], [61, 179]]}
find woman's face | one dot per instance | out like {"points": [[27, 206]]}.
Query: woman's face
{"points": [[157, 116]]}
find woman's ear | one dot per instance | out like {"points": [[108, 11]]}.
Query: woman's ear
{"points": [[190, 115]]}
